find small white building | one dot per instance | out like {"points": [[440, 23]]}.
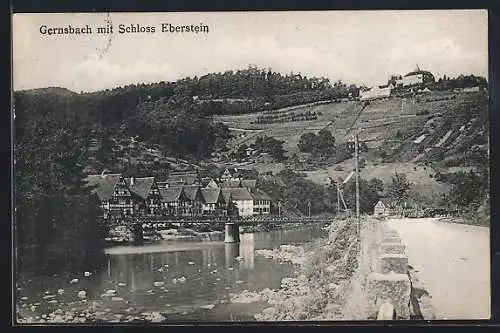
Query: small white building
{"points": [[375, 93], [242, 198], [381, 209]]}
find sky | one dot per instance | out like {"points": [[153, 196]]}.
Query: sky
{"points": [[360, 47]]}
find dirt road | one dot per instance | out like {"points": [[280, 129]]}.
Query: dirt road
{"points": [[453, 262]]}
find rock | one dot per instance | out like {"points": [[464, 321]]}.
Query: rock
{"points": [[158, 283], [74, 281], [82, 294], [333, 286], [87, 274]]}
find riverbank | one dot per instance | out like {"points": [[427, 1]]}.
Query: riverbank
{"points": [[320, 286]]}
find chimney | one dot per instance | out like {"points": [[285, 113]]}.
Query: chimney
{"points": [[132, 181]]}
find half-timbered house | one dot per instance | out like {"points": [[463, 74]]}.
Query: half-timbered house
{"points": [[147, 194], [114, 195]]}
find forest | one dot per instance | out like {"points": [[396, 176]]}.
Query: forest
{"points": [[60, 133]]}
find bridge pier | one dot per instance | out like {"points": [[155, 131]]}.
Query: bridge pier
{"points": [[232, 233], [138, 233]]}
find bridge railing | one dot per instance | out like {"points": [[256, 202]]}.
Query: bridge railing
{"points": [[211, 220]]}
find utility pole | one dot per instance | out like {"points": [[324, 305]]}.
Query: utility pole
{"points": [[309, 207], [356, 160], [337, 185]]}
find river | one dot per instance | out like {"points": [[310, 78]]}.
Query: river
{"points": [[182, 280]]}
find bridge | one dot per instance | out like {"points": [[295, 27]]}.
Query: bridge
{"points": [[231, 224]]}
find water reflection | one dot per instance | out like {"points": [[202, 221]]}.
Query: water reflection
{"points": [[247, 250], [182, 276], [231, 251]]}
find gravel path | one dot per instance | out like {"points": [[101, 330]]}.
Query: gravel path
{"points": [[453, 263]]}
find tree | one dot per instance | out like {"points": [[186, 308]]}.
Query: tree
{"points": [[377, 184], [468, 189], [307, 142], [319, 145], [57, 224], [399, 189], [368, 195], [326, 141], [272, 146]]}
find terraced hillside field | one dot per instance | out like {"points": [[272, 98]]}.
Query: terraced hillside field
{"points": [[448, 125]]}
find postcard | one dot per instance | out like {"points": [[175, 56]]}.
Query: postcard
{"points": [[251, 166]]}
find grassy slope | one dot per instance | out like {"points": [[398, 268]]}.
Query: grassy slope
{"points": [[380, 121]]}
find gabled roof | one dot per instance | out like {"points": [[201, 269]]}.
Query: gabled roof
{"points": [[227, 196], [171, 194], [141, 186], [191, 191], [212, 184], [211, 195], [238, 193], [249, 183], [105, 184], [385, 201], [230, 184]]}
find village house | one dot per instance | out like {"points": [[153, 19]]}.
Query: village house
{"points": [[261, 202], [214, 202], [113, 193], [234, 174], [147, 193], [381, 209], [242, 198], [195, 197], [174, 201]]}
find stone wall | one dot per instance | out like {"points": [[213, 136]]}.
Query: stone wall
{"points": [[387, 285]]}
